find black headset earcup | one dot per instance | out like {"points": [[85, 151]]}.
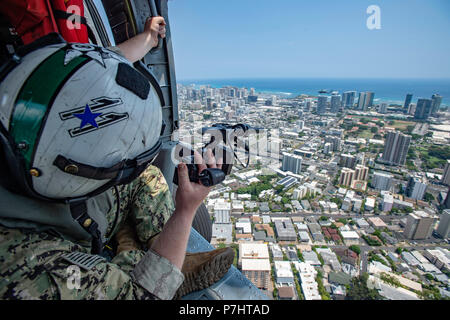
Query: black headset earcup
{"points": [[12, 169], [6, 171]]}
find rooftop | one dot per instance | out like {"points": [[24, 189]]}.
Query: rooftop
{"points": [[256, 265], [349, 235], [377, 222], [253, 250], [286, 292]]}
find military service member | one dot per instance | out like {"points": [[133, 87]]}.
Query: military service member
{"points": [[79, 128]]}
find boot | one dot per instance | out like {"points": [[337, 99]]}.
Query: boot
{"points": [[201, 270], [126, 239]]}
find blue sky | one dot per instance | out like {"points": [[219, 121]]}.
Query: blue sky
{"points": [[304, 38]]}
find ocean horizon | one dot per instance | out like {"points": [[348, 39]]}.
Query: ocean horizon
{"points": [[386, 90]]}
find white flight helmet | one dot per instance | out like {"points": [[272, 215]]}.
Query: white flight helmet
{"points": [[75, 120]]}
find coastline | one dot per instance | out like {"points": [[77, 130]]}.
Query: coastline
{"points": [[391, 91]]}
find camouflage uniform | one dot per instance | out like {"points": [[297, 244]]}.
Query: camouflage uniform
{"points": [[32, 267]]}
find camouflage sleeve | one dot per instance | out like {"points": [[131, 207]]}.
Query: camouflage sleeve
{"points": [[158, 275], [131, 275], [151, 203]]}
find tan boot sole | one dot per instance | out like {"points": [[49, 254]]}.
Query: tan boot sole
{"points": [[208, 274]]}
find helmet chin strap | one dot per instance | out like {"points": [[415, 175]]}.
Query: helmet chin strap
{"points": [[78, 210], [120, 173]]}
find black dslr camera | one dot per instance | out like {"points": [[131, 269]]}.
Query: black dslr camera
{"points": [[225, 143]]}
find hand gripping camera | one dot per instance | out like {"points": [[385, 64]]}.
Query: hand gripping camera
{"points": [[227, 142]]}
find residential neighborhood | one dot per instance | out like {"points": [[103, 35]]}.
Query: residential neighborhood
{"points": [[352, 201]]}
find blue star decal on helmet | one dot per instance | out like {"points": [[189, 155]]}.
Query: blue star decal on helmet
{"points": [[87, 117]]}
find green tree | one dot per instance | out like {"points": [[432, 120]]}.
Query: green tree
{"points": [[279, 188], [408, 210], [358, 289], [355, 249], [364, 120], [428, 197], [390, 280], [300, 256], [322, 291], [337, 200]]}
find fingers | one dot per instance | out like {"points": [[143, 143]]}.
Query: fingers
{"points": [[219, 163], [161, 20], [183, 175], [162, 33], [199, 161], [158, 20], [159, 25], [210, 160]]}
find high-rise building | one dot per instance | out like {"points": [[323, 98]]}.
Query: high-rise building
{"points": [[335, 103], [273, 99], [407, 102], [361, 172], [347, 176], [383, 108], [327, 148], [208, 104], [362, 101], [443, 228], [369, 99], [388, 202], [447, 199], [382, 180], [292, 163], [416, 188], [412, 109], [423, 109], [436, 101], [396, 148], [348, 99], [334, 141], [307, 104], [365, 100], [347, 161], [222, 211], [322, 104], [255, 264], [336, 132], [252, 98], [446, 176], [419, 225]]}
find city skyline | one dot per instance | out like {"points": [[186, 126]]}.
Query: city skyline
{"points": [[386, 90]]}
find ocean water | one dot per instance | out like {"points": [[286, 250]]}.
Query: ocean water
{"points": [[386, 90]]}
